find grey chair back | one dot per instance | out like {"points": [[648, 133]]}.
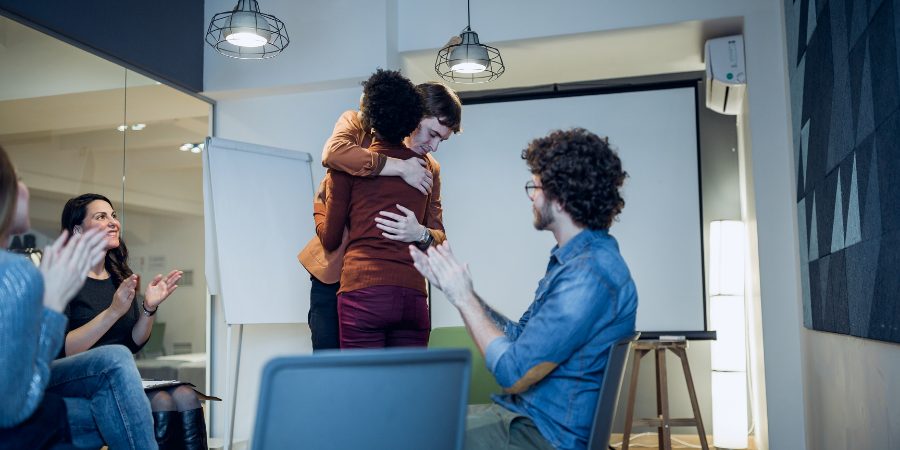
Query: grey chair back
{"points": [[609, 393], [364, 399]]}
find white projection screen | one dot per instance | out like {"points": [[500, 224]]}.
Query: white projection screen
{"points": [[488, 217]]}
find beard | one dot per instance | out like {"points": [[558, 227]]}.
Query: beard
{"points": [[543, 217]]}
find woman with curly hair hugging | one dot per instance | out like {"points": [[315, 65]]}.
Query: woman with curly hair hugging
{"points": [[382, 298]]}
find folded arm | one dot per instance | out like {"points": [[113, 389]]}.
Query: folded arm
{"points": [[346, 150]]}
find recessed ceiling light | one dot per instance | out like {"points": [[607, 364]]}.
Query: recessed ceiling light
{"points": [[122, 127], [138, 126]]}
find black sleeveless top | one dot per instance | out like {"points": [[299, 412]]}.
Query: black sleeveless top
{"points": [[91, 300]]}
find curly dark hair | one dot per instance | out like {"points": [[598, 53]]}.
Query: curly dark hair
{"points": [[116, 261], [582, 172], [391, 105]]}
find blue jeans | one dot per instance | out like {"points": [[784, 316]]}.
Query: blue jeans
{"points": [[105, 400]]}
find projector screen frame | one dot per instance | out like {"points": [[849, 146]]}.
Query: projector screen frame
{"points": [[691, 80]]}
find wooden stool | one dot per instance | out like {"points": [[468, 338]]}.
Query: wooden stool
{"points": [[662, 422]]}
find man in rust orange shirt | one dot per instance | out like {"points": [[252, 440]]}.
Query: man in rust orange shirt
{"points": [[347, 151]]}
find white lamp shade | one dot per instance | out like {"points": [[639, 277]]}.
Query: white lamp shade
{"points": [[247, 29], [727, 318], [726, 254], [469, 59], [729, 407]]}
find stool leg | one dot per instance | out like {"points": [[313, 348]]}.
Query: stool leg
{"points": [[632, 392], [662, 401], [690, 385]]}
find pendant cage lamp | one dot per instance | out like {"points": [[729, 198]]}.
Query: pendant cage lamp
{"points": [[466, 60], [247, 33]]}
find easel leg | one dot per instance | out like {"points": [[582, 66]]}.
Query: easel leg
{"points": [[231, 381], [632, 393], [694, 404], [662, 401]]}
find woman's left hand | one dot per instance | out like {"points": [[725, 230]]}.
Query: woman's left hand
{"points": [[160, 288], [403, 228]]}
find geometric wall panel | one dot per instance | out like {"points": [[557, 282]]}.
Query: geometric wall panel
{"points": [[845, 100]]}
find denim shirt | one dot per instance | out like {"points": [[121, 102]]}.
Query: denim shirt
{"points": [[585, 302]]}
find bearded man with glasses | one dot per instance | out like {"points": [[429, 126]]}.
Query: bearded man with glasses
{"points": [[551, 362]]}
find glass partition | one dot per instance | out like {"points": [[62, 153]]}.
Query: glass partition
{"points": [[164, 202], [73, 123], [60, 110]]}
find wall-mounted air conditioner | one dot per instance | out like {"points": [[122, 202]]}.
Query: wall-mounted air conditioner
{"points": [[726, 79]]}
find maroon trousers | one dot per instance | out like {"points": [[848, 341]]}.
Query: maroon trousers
{"points": [[383, 316]]}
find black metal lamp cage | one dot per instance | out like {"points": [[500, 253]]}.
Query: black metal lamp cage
{"points": [[469, 61], [247, 33]]}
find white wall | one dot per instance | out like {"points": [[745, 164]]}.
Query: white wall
{"points": [[769, 214], [333, 43], [852, 392], [302, 121], [428, 24]]}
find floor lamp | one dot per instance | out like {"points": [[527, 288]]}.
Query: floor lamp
{"points": [[728, 319]]}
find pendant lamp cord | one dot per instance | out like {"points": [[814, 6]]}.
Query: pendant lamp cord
{"points": [[469, 14]]}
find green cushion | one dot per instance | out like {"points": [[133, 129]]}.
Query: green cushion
{"points": [[154, 346], [482, 384]]}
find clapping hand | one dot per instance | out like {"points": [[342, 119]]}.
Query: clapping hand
{"points": [[124, 295], [160, 288], [442, 269], [65, 265]]}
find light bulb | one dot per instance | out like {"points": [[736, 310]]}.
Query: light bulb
{"points": [[185, 147], [468, 67], [247, 29], [469, 58]]}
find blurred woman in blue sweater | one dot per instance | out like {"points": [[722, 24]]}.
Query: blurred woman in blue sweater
{"points": [[89, 400]]}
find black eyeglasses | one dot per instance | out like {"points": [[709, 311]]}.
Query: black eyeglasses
{"points": [[530, 187]]}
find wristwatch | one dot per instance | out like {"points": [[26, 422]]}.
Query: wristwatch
{"points": [[425, 241], [147, 312]]}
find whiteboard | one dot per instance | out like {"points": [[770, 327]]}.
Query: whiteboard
{"points": [[488, 217], [258, 215]]}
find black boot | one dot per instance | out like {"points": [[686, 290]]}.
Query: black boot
{"points": [[168, 430], [194, 429]]}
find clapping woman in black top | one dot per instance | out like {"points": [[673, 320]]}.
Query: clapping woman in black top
{"points": [[106, 311]]}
